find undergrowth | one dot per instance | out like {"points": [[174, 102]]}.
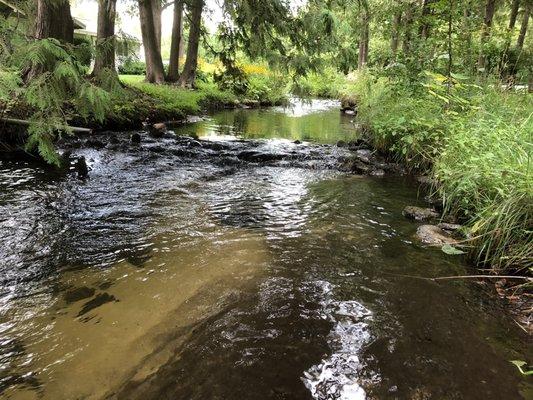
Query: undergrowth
{"points": [[476, 141]]}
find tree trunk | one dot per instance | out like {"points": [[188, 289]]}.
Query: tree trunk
{"points": [[523, 26], [188, 75], [105, 37], [155, 72], [176, 42], [408, 20], [53, 20], [485, 33], [426, 14], [364, 36], [156, 12], [397, 20], [514, 13]]}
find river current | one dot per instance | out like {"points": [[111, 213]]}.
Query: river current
{"points": [[179, 271]]}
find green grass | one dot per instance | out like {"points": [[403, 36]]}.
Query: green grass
{"points": [[477, 143], [174, 98]]}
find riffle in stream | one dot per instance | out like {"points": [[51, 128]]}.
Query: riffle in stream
{"points": [[227, 262]]}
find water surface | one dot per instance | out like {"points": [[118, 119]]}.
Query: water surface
{"points": [[168, 276]]}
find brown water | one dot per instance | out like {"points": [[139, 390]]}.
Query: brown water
{"points": [[178, 271]]}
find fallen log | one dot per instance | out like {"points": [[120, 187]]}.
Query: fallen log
{"points": [[74, 129]]}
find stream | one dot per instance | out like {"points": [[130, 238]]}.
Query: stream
{"points": [[227, 261]]}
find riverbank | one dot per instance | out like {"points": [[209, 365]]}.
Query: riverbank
{"points": [[128, 106], [474, 143]]}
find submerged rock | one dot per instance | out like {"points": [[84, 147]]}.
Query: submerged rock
{"points": [[95, 143], [432, 234], [78, 294], [97, 302], [420, 214]]}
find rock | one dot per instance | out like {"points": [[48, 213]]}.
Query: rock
{"points": [[377, 172], [194, 143], [420, 214], [81, 167], [426, 180], [99, 300], [431, 234], [95, 143], [158, 130], [349, 112], [297, 142], [113, 140], [455, 230], [258, 156], [363, 155], [348, 103], [341, 143], [357, 144], [78, 294], [355, 166], [135, 138], [450, 227]]}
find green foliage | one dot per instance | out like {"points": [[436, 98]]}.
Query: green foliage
{"points": [[475, 141], [132, 67], [47, 78], [327, 83]]}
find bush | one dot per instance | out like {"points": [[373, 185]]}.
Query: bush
{"points": [[326, 84], [132, 67]]}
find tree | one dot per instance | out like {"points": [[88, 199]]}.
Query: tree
{"points": [[425, 17], [490, 8], [408, 21], [395, 35], [105, 37], [176, 42], [523, 25], [514, 13], [364, 36], [155, 72], [188, 75], [157, 10], [53, 20]]}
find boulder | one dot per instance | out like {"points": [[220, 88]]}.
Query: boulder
{"points": [[363, 155], [432, 234], [341, 143], [95, 143], [81, 167], [420, 214], [158, 130], [135, 138], [348, 103]]}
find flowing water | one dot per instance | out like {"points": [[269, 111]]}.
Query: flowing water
{"points": [[178, 271]]}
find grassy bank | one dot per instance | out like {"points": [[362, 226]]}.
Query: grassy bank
{"points": [[476, 142]]}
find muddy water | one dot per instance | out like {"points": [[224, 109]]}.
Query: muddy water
{"points": [[180, 271]]}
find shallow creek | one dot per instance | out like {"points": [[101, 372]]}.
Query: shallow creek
{"points": [[187, 269]]}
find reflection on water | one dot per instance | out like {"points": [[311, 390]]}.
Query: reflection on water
{"points": [[312, 120], [166, 277]]}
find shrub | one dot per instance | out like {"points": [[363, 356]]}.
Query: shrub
{"points": [[132, 67]]}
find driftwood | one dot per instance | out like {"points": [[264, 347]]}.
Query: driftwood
{"points": [[15, 121]]}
